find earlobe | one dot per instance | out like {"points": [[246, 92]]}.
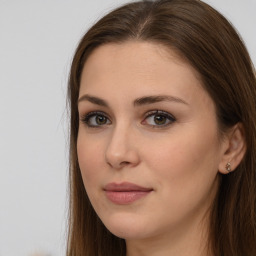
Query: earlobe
{"points": [[235, 150], [228, 167]]}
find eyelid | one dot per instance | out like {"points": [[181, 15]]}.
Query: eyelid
{"points": [[157, 111], [85, 118], [169, 116]]}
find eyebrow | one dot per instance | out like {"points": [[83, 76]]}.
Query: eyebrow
{"points": [[138, 102], [158, 98], [94, 100]]}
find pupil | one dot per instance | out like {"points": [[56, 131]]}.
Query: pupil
{"points": [[160, 119], [101, 120]]}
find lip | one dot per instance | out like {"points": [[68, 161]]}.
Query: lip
{"points": [[125, 192]]}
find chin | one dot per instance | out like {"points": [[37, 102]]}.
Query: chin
{"points": [[126, 226]]}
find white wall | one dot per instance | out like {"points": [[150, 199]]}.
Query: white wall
{"points": [[37, 40]]}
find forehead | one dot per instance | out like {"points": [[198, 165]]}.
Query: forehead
{"points": [[133, 56], [140, 68]]}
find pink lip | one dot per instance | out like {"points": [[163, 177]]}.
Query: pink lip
{"points": [[125, 193]]}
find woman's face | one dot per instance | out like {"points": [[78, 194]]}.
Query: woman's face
{"points": [[148, 145]]}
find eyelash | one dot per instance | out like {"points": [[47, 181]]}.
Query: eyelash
{"points": [[86, 119], [171, 119]]}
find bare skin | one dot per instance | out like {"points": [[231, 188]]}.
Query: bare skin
{"points": [[146, 119]]}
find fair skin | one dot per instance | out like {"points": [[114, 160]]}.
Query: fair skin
{"points": [[146, 119]]}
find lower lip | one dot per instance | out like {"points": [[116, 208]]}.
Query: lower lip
{"points": [[125, 197]]}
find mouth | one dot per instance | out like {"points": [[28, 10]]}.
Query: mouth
{"points": [[125, 193]]}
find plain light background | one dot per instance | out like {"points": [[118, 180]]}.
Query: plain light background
{"points": [[37, 41]]}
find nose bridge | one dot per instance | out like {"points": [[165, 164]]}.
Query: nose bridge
{"points": [[121, 148]]}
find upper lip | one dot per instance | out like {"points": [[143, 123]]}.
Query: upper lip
{"points": [[125, 187]]}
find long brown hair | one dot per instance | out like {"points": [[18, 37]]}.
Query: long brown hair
{"points": [[205, 39]]}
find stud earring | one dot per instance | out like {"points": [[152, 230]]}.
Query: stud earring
{"points": [[228, 167]]}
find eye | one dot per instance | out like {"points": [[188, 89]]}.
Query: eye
{"points": [[158, 119], [96, 119]]}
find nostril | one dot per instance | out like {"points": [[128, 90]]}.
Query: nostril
{"points": [[119, 157], [119, 165], [124, 163]]}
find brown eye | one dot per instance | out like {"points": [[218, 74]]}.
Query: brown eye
{"points": [[95, 119], [159, 119], [100, 120]]}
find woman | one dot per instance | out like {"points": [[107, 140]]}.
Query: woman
{"points": [[162, 160]]}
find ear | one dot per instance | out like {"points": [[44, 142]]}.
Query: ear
{"points": [[234, 149]]}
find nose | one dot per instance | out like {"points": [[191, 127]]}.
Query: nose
{"points": [[122, 150]]}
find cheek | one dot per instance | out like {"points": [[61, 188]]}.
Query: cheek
{"points": [[185, 157], [90, 157], [184, 170]]}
